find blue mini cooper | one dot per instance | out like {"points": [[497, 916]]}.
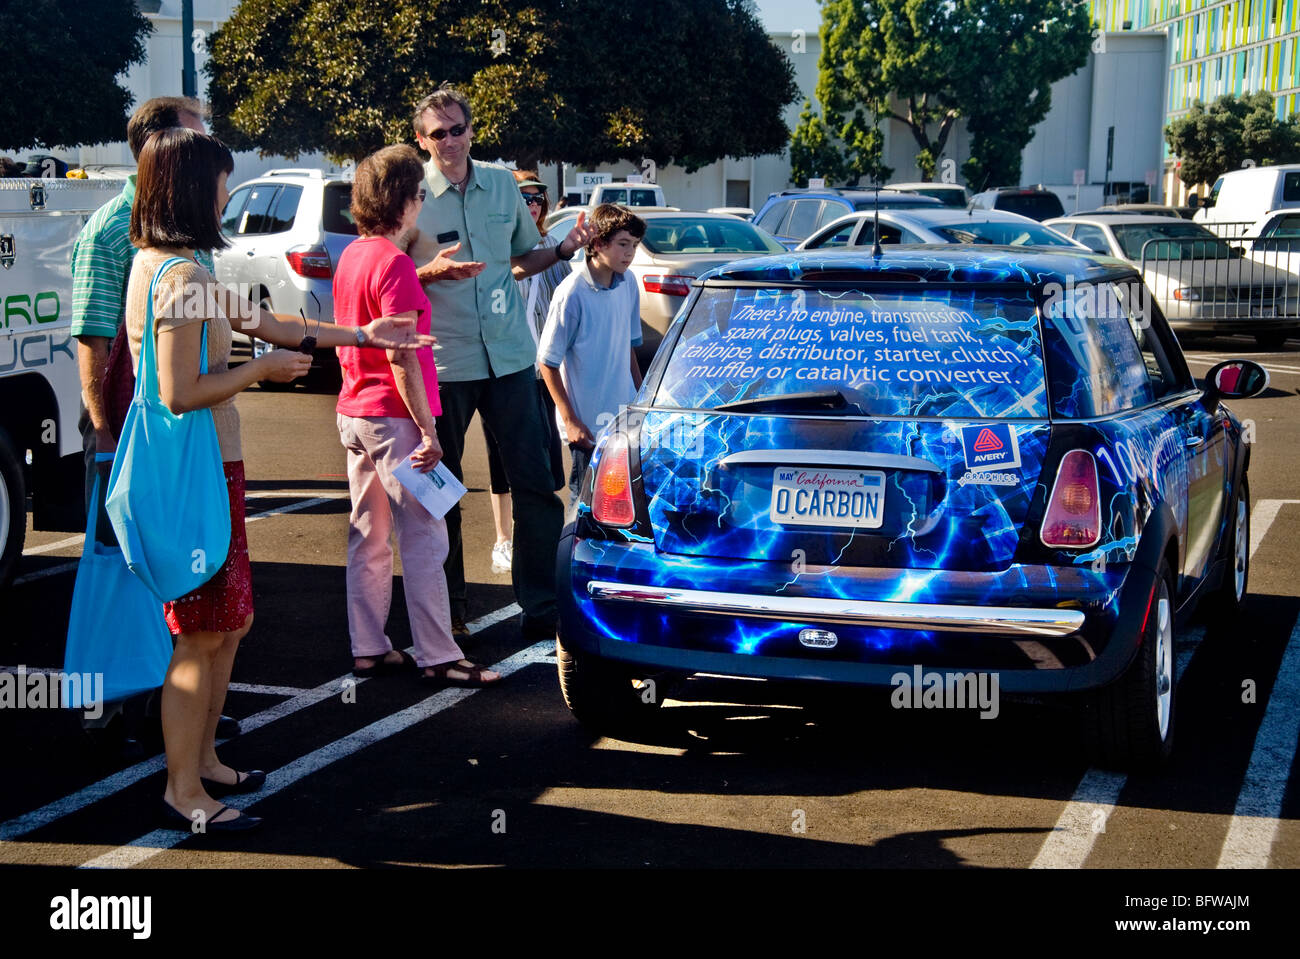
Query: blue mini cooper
{"points": [[843, 469]]}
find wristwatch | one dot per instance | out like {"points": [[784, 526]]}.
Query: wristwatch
{"points": [[361, 337], [561, 256]]}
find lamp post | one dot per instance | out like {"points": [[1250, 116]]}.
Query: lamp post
{"points": [[189, 82]]}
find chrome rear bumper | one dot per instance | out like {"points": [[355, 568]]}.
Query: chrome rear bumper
{"points": [[993, 620]]}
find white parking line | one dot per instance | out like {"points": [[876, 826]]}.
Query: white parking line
{"points": [[1256, 818], [1211, 361], [149, 845], [1069, 844], [28, 822], [71, 540]]}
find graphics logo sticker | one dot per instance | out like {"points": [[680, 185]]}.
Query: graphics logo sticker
{"points": [[991, 446]]}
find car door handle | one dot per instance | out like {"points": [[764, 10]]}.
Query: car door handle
{"points": [[1194, 441]]}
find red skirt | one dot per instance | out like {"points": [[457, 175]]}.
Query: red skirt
{"points": [[223, 603]]}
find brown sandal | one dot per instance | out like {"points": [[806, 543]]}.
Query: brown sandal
{"points": [[474, 679]]}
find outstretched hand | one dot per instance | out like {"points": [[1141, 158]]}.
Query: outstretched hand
{"points": [[581, 234], [443, 267], [396, 333]]}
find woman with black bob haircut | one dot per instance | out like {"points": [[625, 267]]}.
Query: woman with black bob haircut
{"points": [[180, 192]]}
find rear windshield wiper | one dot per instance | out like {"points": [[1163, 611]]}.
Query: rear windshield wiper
{"points": [[820, 401]]}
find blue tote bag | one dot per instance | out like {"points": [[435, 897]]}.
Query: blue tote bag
{"points": [[167, 495], [116, 628]]}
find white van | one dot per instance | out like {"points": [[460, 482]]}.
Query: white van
{"points": [[40, 390], [1245, 196], [627, 194]]}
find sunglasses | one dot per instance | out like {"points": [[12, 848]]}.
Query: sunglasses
{"points": [[458, 130], [534, 198]]}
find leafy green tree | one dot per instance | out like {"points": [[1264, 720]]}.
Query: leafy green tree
{"points": [[59, 64], [1211, 141], [926, 63], [1010, 61], [574, 80], [812, 154]]}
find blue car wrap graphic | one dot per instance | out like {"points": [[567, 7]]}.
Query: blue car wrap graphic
{"points": [[950, 531]]}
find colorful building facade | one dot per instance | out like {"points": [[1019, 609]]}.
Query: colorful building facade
{"points": [[1218, 47]]}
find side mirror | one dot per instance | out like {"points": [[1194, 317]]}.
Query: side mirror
{"points": [[1234, 380], [1207, 203]]}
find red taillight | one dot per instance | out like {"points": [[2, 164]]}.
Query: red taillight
{"points": [[611, 495], [313, 262], [668, 283], [1074, 511]]}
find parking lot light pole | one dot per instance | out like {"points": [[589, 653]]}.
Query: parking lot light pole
{"points": [[189, 83]]}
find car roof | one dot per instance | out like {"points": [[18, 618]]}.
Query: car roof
{"points": [[930, 217], [1117, 219], [928, 186], [853, 194], [931, 263], [294, 176]]}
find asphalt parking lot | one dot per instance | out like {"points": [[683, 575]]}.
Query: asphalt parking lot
{"points": [[393, 775]]}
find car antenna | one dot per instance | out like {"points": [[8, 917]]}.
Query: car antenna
{"points": [[876, 251]]}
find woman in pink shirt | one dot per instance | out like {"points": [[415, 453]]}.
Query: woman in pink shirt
{"points": [[386, 413]]}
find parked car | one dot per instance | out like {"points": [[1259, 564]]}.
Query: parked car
{"points": [[970, 486], [628, 194], [1244, 196], [1144, 209], [1202, 283], [744, 212], [556, 217], [792, 215], [1274, 240], [949, 194], [286, 231], [677, 248], [943, 225], [1033, 202]]}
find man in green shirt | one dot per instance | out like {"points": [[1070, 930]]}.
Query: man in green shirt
{"points": [[485, 352]]}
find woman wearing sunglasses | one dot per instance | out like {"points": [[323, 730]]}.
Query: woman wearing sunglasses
{"points": [[536, 291]]}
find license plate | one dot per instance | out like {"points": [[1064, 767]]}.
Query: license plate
{"points": [[817, 497]]}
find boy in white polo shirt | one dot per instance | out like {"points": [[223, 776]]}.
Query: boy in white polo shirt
{"points": [[587, 352]]}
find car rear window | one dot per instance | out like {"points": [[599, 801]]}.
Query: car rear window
{"points": [[1036, 206], [1291, 187], [960, 353], [684, 234], [1002, 234], [1134, 237], [1095, 367], [336, 216]]}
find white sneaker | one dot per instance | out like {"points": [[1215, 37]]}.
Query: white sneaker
{"points": [[502, 557]]}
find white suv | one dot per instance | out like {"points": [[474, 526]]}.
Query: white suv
{"points": [[286, 231]]}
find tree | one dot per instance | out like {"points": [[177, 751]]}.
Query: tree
{"points": [[812, 154], [926, 63], [574, 80], [59, 63], [1233, 130]]}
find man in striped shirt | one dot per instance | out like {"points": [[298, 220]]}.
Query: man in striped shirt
{"points": [[101, 264]]}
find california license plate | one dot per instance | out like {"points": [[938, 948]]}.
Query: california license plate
{"points": [[818, 497]]}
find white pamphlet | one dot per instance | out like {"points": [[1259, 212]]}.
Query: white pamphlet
{"points": [[437, 490]]}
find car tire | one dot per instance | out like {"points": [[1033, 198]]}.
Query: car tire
{"points": [[1271, 341], [13, 509], [1225, 602], [601, 695], [269, 385], [1130, 723]]}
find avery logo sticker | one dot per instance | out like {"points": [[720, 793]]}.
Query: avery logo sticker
{"points": [[990, 446]]}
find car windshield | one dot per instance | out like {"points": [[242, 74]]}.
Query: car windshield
{"points": [[1002, 234], [1036, 206], [684, 234], [948, 196], [959, 353], [1133, 237]]}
